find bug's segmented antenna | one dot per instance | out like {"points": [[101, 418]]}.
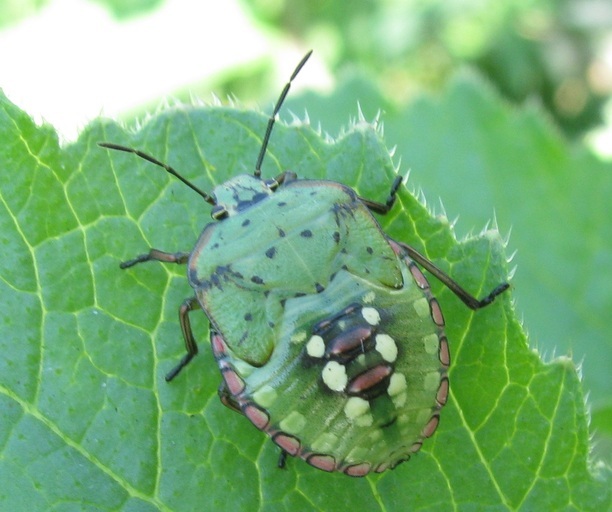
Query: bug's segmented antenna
{"points": [[109, 145], [272, 119]]}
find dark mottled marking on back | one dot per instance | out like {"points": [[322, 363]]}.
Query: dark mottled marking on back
{"points": [[246, 222], [257, 280], [281, 232], [389, 423], [271, 252], [300, 294], [319, 287], [215, 245], [242, 339], [306, 233], [271, 324], [370, 250], [282, 203], [336, 236], [343, 250], [248, 317]]}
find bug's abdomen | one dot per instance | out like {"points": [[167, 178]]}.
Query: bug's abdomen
{"points": [[357, 378]]}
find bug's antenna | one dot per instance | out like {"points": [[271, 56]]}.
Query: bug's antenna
{"points": [[272, 119], [207, 197]]}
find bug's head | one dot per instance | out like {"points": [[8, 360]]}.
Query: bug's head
{"points": [[233, 196]]}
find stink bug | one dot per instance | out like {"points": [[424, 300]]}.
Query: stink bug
{"points": [[325, 330]]}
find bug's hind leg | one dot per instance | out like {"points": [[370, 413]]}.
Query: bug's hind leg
{"points": [[384, 208], [468, 299]]}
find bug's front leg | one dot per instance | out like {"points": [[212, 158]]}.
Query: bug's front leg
{"points": [[157, 255], [187, 306]]}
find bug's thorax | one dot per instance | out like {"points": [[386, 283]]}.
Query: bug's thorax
{"points": [[238, 193]]}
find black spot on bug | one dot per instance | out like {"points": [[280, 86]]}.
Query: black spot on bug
{"points": [[370, 250], [266, 293], [299, 294], [306, 233], [243, 338], [246, 222], [282, 203], [215, 245], [336, 236], [271, 325], [319, 287], [248, 317], [389, 423], [271, 252], [257, 280], [344, 267], [282, 302], [343, 250], [281, 232]]}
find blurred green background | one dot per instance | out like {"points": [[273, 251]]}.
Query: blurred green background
{"points": [[68, 61]]}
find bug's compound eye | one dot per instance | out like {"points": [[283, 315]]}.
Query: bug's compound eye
{"points": [[219, 212]]}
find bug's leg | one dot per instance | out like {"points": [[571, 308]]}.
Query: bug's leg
{"points": [[383, 208], [282, 459], [469, 300], [283, 177], [156, 255], [187, 306]]}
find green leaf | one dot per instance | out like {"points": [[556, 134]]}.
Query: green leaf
{"points": [[87, 418]]}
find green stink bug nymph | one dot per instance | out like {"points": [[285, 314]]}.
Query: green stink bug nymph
{"points": [[325, 330]]}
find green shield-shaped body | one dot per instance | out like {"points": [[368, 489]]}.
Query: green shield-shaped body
{"points": [[325, 331]]}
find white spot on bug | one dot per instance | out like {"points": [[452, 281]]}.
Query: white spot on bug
{"points": [[386, 347], [364, 421], [431, 343], [361, 360], [421, 307], [397, 384], [315, 346], [369, 297], [325, 443], [397, 389], [399, 400], [371, 315], [298, 337], [334, 376], [356, 407], [358, 411], [265, 396], [432, 381], [293, 423]]}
